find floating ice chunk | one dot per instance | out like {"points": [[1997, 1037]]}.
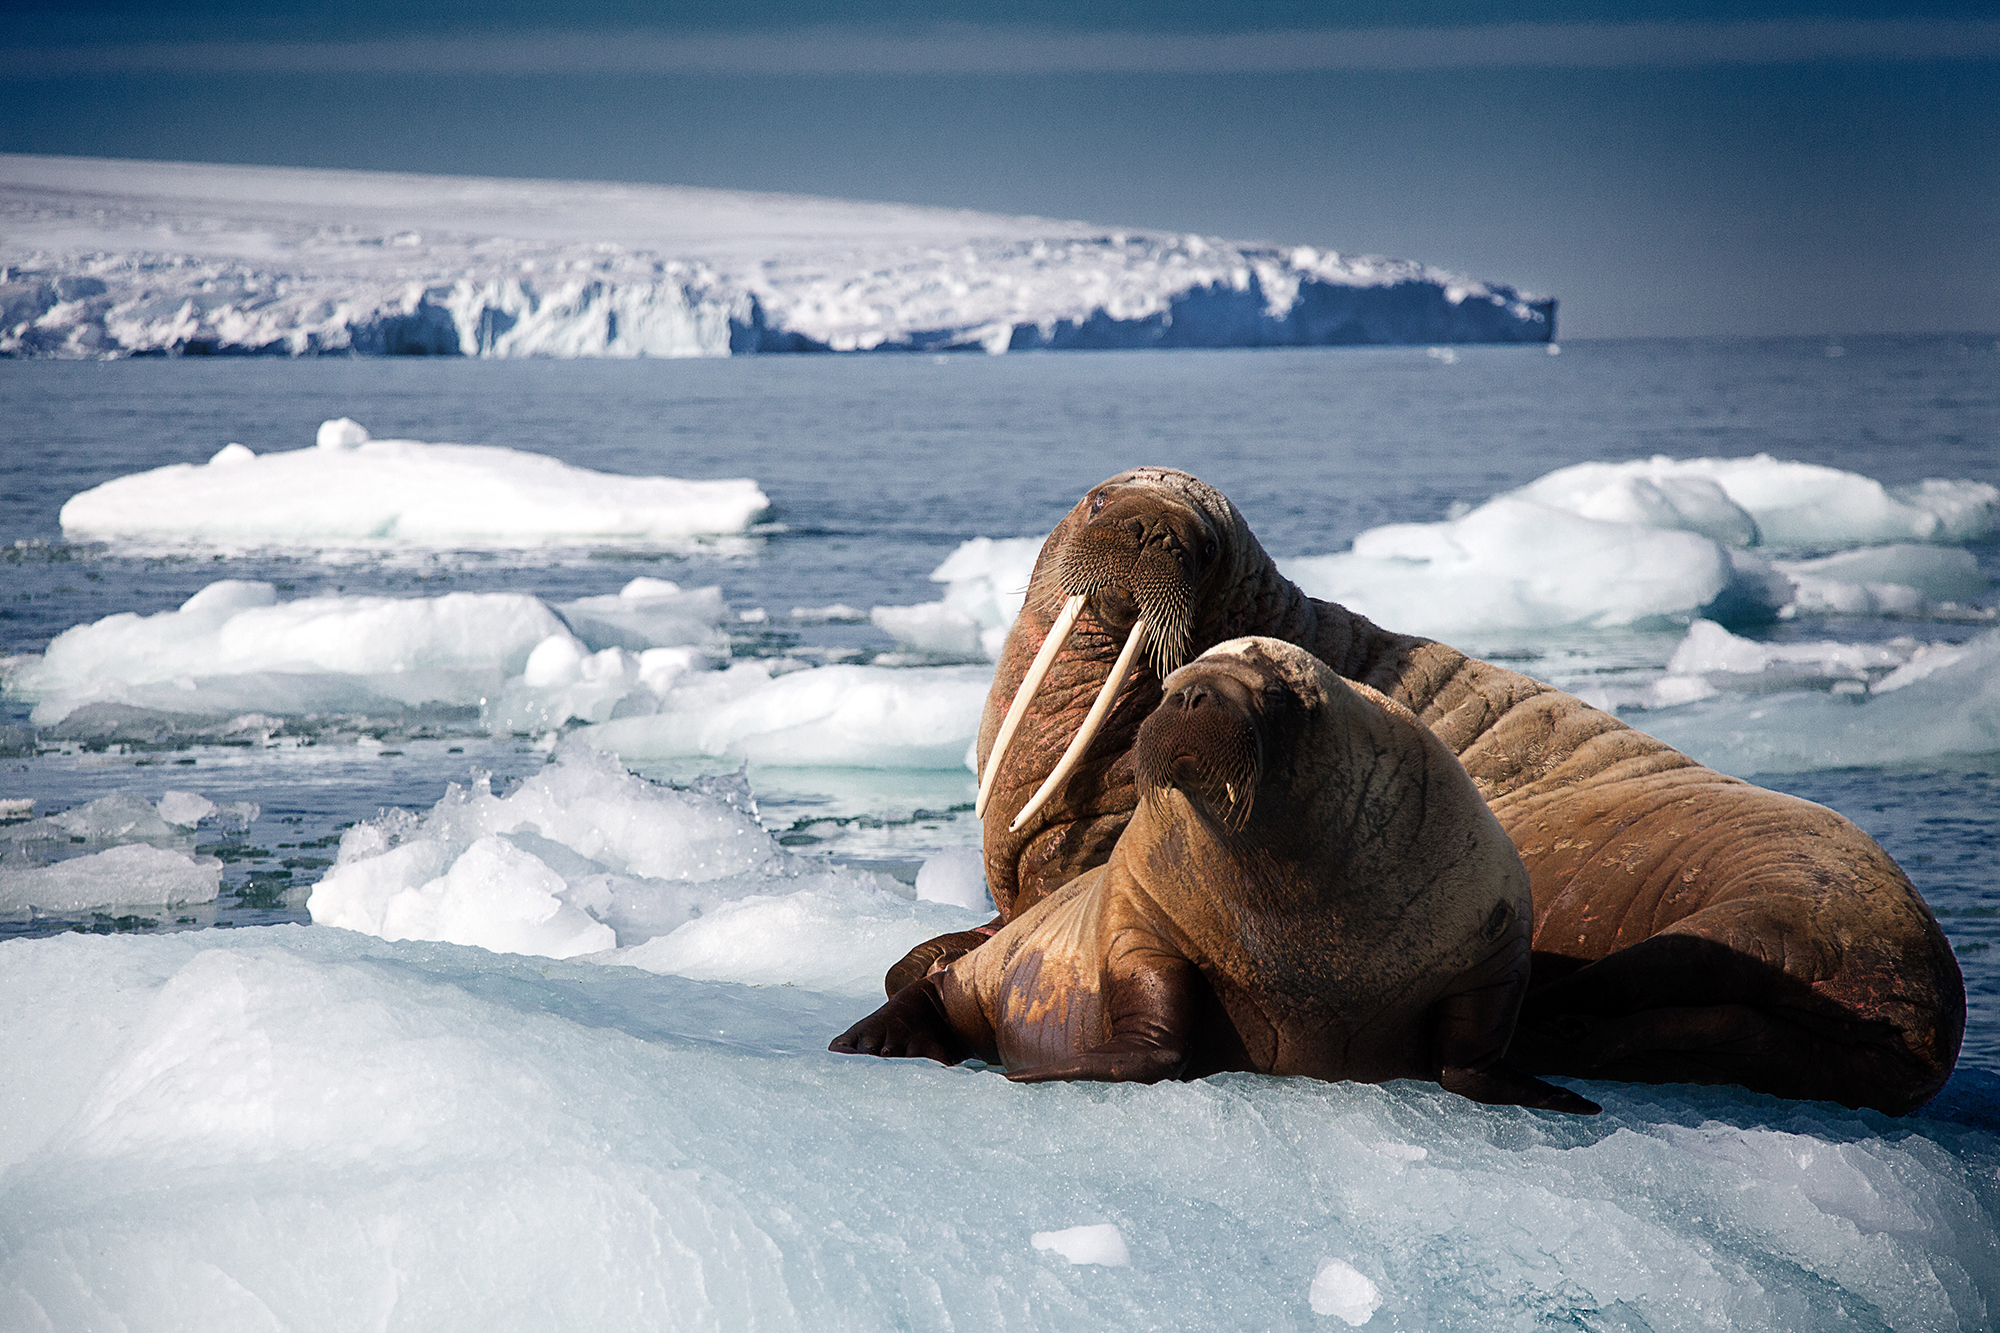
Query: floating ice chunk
{"points": [[1941, 573], [351, 489], [1882, 580], [840, 613], [1101, 1243], [651, 613], [1709, 647], [1344, 1291], [130, 875], [831, 716], [986, 582], [1944, 702], [1513, 563], [184, 808], [1616, 493], [230, 453], [233, 647], [932, 629], [1711, 659], [1788, 503], [341, 433]]}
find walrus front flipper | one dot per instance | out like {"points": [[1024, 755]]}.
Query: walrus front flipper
{"points": [[913, 1023], [936, 953]]}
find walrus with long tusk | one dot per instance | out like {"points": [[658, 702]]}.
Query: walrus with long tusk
{"points": [[1689, 927], [1310, 884]]}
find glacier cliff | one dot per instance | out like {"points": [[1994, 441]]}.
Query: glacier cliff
{"points": [[106, 258]]}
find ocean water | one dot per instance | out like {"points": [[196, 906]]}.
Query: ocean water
{"points": [[878, 468]]}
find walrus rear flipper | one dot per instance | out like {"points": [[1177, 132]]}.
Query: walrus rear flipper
{"points": [[1473, 1027], [1154, 998], [1498, 1085]]}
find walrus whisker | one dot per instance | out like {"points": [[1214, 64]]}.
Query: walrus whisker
{"points": [[1025, 695], [1119, 670]]}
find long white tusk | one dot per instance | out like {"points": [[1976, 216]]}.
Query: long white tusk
{"points": [[1088, 730], [1024, 696]]}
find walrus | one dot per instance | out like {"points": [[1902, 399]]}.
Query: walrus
{"points": [[1688, 927], [1309, 884]]}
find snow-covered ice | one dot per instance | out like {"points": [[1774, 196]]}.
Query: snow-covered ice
{"points": [[1770, 502], [349, 489], [1615, 544], [110, 258], [839, 716], [234, 647], [584, 857], [315, 1129]]}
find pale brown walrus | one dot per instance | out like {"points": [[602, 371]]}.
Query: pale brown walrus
{"points": [[1310, 885], [1689, 927]]}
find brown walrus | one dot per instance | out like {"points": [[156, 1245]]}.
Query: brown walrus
{"points": [[1310, 885], [1689, 927]]}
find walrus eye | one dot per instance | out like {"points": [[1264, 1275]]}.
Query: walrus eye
{"points": [[1097, 502]]}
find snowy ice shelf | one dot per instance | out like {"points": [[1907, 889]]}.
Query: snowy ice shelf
{"points": [[111, 258]]}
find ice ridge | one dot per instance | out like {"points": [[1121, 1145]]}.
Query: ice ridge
{"points": [[112, 259]]}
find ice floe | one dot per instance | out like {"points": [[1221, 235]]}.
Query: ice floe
{"points": [[350, 489], [120, 850], [842, 716], [1747, 707], [1770, 502], [986, 581], [315, 1129], [1605, 545], [234, 647]]}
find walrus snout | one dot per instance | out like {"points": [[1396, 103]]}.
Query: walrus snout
{"points": [[1205, 740], [1137, 559]]}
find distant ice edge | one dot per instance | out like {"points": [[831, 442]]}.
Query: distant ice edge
{"points": [[1120, 291]]}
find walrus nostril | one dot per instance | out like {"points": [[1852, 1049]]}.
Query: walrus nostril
{"points": [[1190, 697]]}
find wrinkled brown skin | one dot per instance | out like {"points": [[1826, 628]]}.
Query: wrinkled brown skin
{"points": [[1310, 885], [1689, 927]]}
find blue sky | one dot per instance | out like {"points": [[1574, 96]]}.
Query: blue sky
{"points": [[1663, 168]]}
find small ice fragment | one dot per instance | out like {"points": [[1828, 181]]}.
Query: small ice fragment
{"points": [[341, 433], [1103, 1244], [644, 586], [184, 808], [14, 807], [1402, 1152], [233, 453], [1342, 1290], [956, 875]]}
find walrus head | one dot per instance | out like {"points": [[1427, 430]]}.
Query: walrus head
{"points": [[1139, 555], [1224, 724]]}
